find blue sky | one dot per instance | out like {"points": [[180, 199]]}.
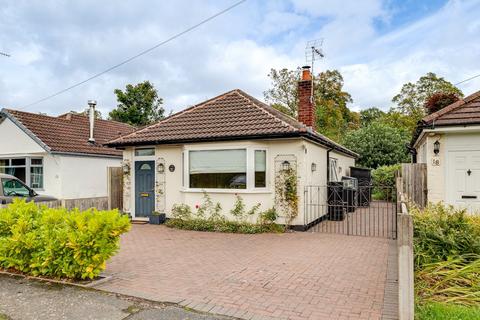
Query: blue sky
{"points": [[376, 44]]}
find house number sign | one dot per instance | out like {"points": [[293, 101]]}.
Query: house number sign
{"points": [[435, 162], [171, 168]]}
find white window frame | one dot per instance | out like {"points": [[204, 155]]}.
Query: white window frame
{"points": [[27, 166], [250, 154]]}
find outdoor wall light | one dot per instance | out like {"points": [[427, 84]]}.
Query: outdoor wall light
{"points": [[285, 165], [436, 147], [160, 168], [314, 166], [126, 168]]}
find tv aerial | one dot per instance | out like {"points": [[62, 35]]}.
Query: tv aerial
{"points": [[4, 54], [313, 52]]}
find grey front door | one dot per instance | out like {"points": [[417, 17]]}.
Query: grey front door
{"points": [[144, 188]]}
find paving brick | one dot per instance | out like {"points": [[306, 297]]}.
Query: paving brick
{"points": [[267, 276]]}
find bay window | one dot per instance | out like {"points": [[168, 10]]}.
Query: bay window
{"points": [[226, 169], [29, 170]]}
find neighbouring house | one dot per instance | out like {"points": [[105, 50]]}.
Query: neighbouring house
{"points": [[448, 141], [59, 156], [230, 145]]}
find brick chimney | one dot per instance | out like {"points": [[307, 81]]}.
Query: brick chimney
{"points": [[306, 109]]}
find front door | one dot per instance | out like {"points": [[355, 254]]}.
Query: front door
{"points": [[144, 188], [464, 179]]}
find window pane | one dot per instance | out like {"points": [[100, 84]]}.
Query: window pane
{"points": [[4, 162], [218, 161], [145, 152], [17, 172], [219, 180], [36, 177], [18, 162], [260, 168], [36, 162], [222, 169], [14, 188]]}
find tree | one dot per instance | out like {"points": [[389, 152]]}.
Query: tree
{"points": [[332, 113], [367, 116], [378, 145], [440, 100], [283, 95], [413, 96], [139, 105]]}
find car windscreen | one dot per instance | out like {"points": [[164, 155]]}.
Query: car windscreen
{"points": [[13, 187]]}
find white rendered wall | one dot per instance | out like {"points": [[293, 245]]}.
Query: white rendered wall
{"points": [[14, 141]]}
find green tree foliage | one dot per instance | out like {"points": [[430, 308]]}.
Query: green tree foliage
{"points": [[86, 112], [378, 145], [333, 115], [283, 95], [139, 105], [367, 116], [413, 96]]}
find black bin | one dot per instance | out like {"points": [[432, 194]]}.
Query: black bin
{"points": [[364, 193], [350, 186], [336, 203]]}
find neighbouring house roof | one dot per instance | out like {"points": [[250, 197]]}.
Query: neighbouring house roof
{"points": [[464, 112], [234, 115], [68, 133]]}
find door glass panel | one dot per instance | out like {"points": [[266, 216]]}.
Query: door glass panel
{"points": [[145, 166]]}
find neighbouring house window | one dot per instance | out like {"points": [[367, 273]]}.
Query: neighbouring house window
{"points": [[36, 173], [144, 152], [260, 168], [14, 188], [333, 165], [28, 170], [219, 169]]}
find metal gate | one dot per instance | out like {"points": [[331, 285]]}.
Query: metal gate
{"points": [[369, 211]]}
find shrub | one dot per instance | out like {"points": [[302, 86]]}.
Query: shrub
{"points": [[268, 216], [222, 226], [384, 182], [57, 242], [442, 232]]}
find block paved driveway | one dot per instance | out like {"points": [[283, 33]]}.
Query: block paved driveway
{"points": [[267, 276]]}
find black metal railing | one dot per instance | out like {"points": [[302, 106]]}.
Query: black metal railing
{"points": [[360, 210]]}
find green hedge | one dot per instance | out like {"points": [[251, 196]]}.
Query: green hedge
{"points": [[222, 226], [57, 242], [384, 182]]}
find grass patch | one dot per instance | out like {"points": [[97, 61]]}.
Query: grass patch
{"points": [[223, 226], [446, 311]]}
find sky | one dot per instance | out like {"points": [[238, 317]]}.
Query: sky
{"points": [[377, 45]]}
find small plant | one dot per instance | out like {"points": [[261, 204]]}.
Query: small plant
{"points": [[286, 194], [269, 216], [208, 209], [181, 211], [238, 210]]}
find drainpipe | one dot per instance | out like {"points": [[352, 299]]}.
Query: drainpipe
{"points": [[328, 164]]}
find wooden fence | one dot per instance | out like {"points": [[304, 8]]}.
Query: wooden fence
{"points": [[412, 183], [115, 188], [100, 203]]}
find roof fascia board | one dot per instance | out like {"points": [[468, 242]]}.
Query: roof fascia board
{"points": [[88, 155], [26, 130]]}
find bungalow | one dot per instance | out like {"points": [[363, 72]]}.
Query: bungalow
{"points": [[448, 141], [230, 145], [59, 156]]}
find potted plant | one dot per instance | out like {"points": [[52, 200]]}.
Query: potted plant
{"points": [[157, 218]]}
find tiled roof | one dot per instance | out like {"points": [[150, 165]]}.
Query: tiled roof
{"points": [[69, 133], [462, 112], [232, 115]]}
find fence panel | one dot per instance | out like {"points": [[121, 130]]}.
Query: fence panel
{"points": [[413, 183], [115, 188]]}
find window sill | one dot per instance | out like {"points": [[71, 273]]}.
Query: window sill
{"points": [[231, 191]]}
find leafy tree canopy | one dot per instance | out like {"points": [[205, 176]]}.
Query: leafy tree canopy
{"points": [[86, 112], [440, 100], [413, 96], [378, 144], [138, 105], [333, 115], [367, 116]]}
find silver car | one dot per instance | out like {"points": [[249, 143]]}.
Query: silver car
{"points": [[11, 187]]}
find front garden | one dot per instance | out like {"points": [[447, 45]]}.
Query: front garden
{"points": [[209, 217], [447, 263], [58, 243]]}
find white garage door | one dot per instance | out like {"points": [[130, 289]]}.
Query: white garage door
{"points": [[463, 184]]}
